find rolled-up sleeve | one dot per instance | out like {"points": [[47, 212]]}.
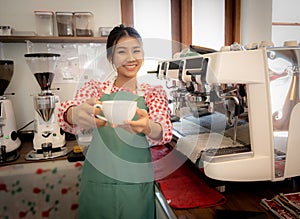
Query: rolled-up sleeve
{"points": [[159, 112]]}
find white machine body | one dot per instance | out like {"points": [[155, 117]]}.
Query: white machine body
{"points": [[255, 68], [266, 98], [8, 133], [56, 137]]}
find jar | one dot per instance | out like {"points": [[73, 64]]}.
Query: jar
{"points": [[65, 23], [44, 21], [5, 30], [104, 31], [84, 23]]}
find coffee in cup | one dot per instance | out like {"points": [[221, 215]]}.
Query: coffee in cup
{"points": [[117, 111]]}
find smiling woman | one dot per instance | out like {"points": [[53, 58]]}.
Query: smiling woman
{"points": [[118, 173]]}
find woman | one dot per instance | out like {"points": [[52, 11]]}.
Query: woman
{"points": [[117, 179]]}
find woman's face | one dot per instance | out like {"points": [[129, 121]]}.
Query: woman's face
{"points": [[128, 57]]}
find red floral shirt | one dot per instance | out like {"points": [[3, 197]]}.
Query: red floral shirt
{"points": [[155, 98]]}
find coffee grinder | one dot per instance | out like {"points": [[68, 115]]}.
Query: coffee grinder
{"points": [[8, 133], [49, 139]]}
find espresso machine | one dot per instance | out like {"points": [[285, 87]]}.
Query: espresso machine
{"points": [[258, 86], [8, 133], [49, 139]]}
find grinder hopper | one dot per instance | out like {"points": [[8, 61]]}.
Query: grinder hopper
{"points": [[43, 67], [6, 73]]}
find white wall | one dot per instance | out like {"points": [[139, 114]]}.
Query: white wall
{"points": [[19, 15], [208, 23], [257, 17], [289, 14]]}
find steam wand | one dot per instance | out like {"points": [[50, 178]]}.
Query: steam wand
{"points": [[236, 112]]}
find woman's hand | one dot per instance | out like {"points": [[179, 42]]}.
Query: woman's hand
{"points": [[83, 115], [139, 126], [144, 125]]}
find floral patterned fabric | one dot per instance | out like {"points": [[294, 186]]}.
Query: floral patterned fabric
{"points": [[155, 97], [40, 190]]}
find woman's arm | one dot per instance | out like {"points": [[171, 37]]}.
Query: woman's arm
{"points": [[69, 117], [155, 131], [159, 115], [144, 125]]}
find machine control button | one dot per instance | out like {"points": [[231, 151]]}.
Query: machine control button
{"points": [[14, 136]]}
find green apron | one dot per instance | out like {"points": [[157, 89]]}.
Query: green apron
{"points": [[118, 180]]}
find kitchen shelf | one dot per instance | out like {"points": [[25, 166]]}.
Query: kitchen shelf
{"points": [[51, 39]]}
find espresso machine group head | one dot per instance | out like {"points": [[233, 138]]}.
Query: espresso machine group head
{"points": [[188, 83], [8, 134], [45, 103]]}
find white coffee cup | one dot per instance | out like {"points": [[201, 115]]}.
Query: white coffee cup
{"points": [[117, 111]]}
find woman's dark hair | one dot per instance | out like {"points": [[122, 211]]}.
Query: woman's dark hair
{"points": [[116, 34]]}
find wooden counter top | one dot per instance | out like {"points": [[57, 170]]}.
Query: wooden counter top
{"points": [[27, 146]]}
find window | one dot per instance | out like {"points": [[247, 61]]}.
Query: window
{"points": [[153, 21], [152, 18], [208, 23], [221, 20]]}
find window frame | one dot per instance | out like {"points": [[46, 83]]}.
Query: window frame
{"points": [[181, 21]]}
